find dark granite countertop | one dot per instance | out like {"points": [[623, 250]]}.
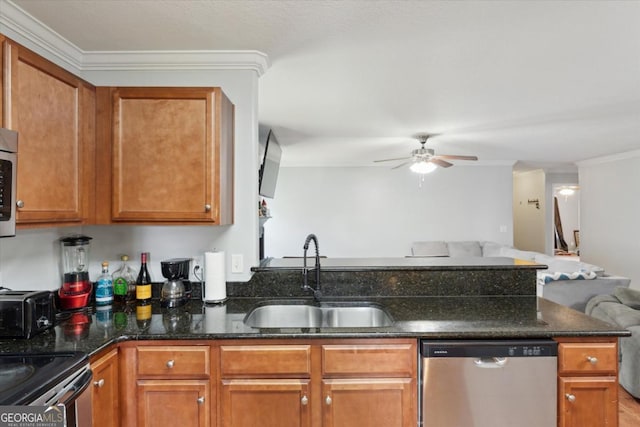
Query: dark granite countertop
{"points": [[395, 264], [462, 317]]}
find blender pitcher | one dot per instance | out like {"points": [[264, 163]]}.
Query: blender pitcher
{"points": [[76, 285]]}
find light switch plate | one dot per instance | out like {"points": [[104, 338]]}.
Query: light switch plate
{"points": [[237, 263]]}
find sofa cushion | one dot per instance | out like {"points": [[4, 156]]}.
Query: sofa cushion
{"points": [[434, 248], [491, 249], [629, 297], [590, 267], [464, 249]]}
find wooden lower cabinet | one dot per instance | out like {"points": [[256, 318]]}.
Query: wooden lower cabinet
{"points": [[266, 403], [368, 402], [588, 382], [173, 403], [105, 408], [328, 383], [168, 383]]}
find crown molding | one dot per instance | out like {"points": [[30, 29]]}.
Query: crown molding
{"points": [[18, 25], [176, 60], [608, 159]]}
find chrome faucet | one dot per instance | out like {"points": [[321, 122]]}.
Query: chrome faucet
{"points": [[317, 292]]}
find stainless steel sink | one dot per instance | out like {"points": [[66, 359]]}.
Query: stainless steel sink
{"points": [[280, 314]]}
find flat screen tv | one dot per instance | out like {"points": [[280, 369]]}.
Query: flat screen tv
{"points": [[271, 153]]}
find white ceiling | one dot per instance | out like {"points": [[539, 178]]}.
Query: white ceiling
{"points": [[546, 83]]}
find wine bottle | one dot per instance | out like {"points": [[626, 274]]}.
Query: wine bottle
{"points": [[143, 283]]}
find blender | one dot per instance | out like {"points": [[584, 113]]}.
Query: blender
{"points": [[76, 285], [176, 271]]}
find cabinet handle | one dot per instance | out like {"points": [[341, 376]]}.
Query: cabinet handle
{"points": [[570, 397], [593, 360], [207, 208], [99, 383], [328, 400], [20, 204], [170, 364], [200, 400], [304, 400]]}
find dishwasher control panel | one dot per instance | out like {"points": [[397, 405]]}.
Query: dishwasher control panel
{"points": [[482, 348]]}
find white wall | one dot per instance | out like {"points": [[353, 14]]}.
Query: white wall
{"points": [[378, 212], [610, 213], [529, 219]]}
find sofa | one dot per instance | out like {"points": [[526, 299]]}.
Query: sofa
{"points": [[565, 281], [622, 308]]}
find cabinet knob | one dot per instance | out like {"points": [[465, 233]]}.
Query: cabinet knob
{"points": [[207, 208], [20, 204], [200, 400], [570, 397], [99, 383], [328, 400], [304, 400], [593, 360], [170, 364]]}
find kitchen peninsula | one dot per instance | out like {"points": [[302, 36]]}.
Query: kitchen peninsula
{"points": [[215, 364]]}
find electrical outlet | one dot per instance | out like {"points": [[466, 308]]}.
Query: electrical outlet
{"points": [[236, 263]]}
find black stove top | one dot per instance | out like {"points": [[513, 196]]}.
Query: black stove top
{"points": [[24, 377]]}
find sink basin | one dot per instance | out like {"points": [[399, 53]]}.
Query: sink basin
{"points": [[281, 314]]}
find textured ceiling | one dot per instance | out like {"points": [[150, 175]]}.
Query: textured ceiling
{"points": [[546, 83]]}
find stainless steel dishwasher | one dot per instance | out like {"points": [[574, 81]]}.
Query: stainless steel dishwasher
{"points": [[488, 383]]}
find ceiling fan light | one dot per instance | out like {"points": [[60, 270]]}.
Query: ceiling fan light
{"points": [[423, 167]]}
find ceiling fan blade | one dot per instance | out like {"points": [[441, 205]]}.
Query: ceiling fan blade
{"points": [[392, 160], [400, 165], [440, 162], [454, 157]]}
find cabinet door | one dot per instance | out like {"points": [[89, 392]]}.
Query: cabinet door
{"points": [[105, 408], [167, 403], [266, 403], [588, 402], [368, 403], [54, 114], [172, 157]]}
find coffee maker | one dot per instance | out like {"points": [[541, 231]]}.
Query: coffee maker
{"points": [[76, 285], [175, 290]]}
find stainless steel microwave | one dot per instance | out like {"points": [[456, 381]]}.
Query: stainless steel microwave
{"points": [[8, 165]]}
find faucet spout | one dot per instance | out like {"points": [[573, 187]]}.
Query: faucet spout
{"points": [[317, 292]]}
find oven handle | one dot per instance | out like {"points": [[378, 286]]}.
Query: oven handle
{"points": [[77, 388]]}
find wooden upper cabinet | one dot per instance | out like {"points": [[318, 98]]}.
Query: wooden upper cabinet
{"points": [[170, 153], [54, 114]]}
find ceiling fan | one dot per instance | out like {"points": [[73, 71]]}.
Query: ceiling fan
{"points": [[424, 160]]}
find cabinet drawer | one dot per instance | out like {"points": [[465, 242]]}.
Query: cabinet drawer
{"points": [[389, 360], [266, 361], [588, 358], [174, 361]]}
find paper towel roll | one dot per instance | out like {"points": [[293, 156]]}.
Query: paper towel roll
{"points": [[215, 278]]}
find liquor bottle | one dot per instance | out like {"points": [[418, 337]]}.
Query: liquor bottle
{"points": [[104, 287], [143, 283], [124, 282]]}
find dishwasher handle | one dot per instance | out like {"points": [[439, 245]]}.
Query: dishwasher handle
{"points": [[491, 362]]}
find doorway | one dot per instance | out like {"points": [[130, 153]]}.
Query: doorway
{"points": [[566, 223]]}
